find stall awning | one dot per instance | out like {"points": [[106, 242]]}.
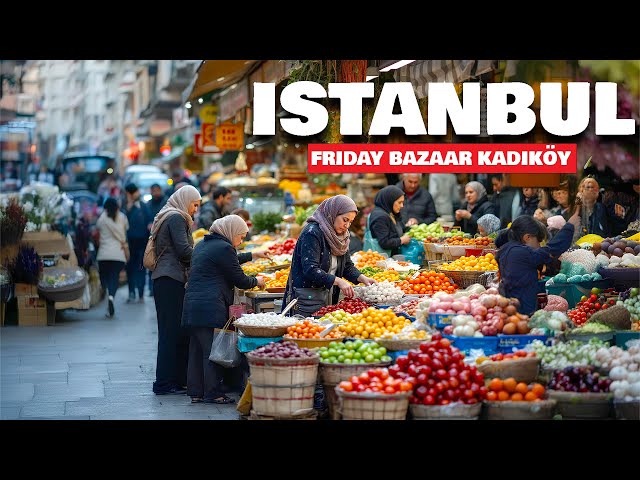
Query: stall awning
{"points": [[217, 74], [421, 72]]}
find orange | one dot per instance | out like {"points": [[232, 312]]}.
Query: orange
{"points": [[510, 385], [516, 397], [538, 390], [496, 384], [502, 396], [492, 396], [530, 397], [522, 388]]}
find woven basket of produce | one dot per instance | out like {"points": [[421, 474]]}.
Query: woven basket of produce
{"points": [[582, 405], [312, 342], [508, 410], [466, 278], [373, 406], [62, 284], [453, 411], [395, 345], [262, 331], [334, 373], [524, 369]]}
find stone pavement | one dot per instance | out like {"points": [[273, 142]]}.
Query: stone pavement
{"points": [[91, 367]]}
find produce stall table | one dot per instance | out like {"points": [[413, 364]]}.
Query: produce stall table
{"points": [[259, 300]]}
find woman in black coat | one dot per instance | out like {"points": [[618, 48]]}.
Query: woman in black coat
{"points": [[215, 271], [385, 222], [477, 204]]}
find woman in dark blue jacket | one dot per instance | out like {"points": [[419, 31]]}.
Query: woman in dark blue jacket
{"points": [[385, 222], [215, 271], [321, 258], [520, 255], [477, 205]]}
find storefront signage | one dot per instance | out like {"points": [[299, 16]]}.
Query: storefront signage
{"points": [[233, 100], [208, 132], [209, 114], [230, 136]]}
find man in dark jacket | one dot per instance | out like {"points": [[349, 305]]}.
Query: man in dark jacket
{"points": [[419, 206], [528, 202], [213, 209], [139, 219], [158, 200], [503, 199]]}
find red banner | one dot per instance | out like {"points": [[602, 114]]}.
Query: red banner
{"points": [[442, 158]]}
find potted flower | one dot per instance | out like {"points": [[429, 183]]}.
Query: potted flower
{"points": [[12, 223]]}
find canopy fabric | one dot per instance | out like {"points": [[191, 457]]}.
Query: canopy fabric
{"points": [[218, 74], [421, 72]]}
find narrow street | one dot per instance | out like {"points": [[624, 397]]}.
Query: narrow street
{"points": [[89, 367]]}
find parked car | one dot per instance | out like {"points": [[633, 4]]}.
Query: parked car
{"points": [[84, 170], [144, 176]]}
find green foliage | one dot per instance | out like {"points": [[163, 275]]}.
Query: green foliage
{"points": [[266, 221]]}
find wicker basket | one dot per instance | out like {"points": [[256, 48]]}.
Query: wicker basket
{"points": [[627, 410], [312, 415], [453, 411], [282, 400], [582, 405], [312, 342], [262, 331], [373, 406], [453, 252], [67, 293], [508, 410], [522, 369], [334, 373], [467, 278], [433, 251], [283, 371], [395, 345]]}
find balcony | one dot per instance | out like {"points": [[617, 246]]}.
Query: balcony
{"points": [[182, 73]]}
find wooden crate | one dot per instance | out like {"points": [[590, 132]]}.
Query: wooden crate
{"points": [[32, 311]]}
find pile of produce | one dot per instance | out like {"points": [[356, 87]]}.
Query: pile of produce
{"points": [[283, 350], [564, 278], [280, 280], [408, 308], [616, 317], [590, 329], [630, 299], [625, 375], [265, 221], [453, 233], [354, 352], [485, 262], [500, 357], [628, 260], [386, 275], [587, 306], [423, 231], [380, 293], [252, 269], [58, 280], [479, 242], [439, 374], [376, 380], [264, 320], [544, 322], [348, 305], [579, 379], [581, 257], [285, 247], [336, 316], [369, 258], [409, 332], [309, 329], [571, 353], [616, 357], [371, 271], [373, 323], [427, 283], [616, 247], [510, 389]]}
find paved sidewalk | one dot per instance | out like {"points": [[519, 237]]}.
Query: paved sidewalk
{"points": [[91, 367]]}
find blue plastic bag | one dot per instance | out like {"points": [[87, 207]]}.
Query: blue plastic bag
{"points": [[413, 252]]}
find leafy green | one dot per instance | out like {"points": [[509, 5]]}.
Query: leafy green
{"points": [[266, 221]]}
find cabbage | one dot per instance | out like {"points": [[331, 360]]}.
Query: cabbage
{"points": [[575, 279], [583, 257], [560, 278]]}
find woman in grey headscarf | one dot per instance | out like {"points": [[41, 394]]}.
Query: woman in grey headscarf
{"points": [[321, 258], [488, 224], [476, 205]]}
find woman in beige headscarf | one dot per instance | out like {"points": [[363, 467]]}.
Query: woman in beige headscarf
{"points": [[174, 246], [215, 271]]}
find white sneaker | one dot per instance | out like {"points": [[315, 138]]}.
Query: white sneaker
{"points": [[110, 306]]}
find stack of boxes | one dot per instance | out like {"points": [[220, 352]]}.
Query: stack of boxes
{"points": [[32, 310]]}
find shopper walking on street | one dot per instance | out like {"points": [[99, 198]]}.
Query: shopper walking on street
{"points": [[112, 225], [158, 200], [477, 204], [174, 246], [215, 271], [137, 236]]}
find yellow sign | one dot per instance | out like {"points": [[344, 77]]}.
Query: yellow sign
{"points": [[209, 114], [230, 136]]}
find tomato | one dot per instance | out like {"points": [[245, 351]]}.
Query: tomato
{"points": [[421, 391], [445, 402], [450, 395], [441, 374], [436, 337], [431, 382], [383, 374], [429, 400], [445, 384], [444, 342], [355, 380], [437, 365], [464, 376], [424, 359], [394, 370], [360, 388], [439, 387], [424, 346], [406, 386], [470, 401], [422, 379], [413, 355], [438, 356], [453, 381], [403, 362], [364, 377], [346, 386], [413, 399], [474, 388], [412, 370], [468, 394]]}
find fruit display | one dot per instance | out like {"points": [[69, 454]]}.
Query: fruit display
{"points": [[335, 316], [387, 275], [543, 322], [198, 235], [285, 247], [510, 389], [352, 352], [264, 320], [408, 308], [616, 246], [309, 329], [348, 305], [567, 354], [252, 269], [376, 380], [283, 350], [587, 307], [280, 280], [479, 242], [427, 282], [369, 258], [422, 231], [485, 262], [616, 357], [463, 326], [380, 293], [616, 317], [373, 323], [626, 377], [439, 374], [431, 239], [371, 271], [630, 299], [579, 379], [501, 357], [453, 233], [409, 332]]}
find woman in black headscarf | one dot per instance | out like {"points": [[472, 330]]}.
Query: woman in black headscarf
{"points": [[385, 223]]}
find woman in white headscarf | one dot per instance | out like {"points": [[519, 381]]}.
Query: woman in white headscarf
{"points": [[215, 271], [174, 246], [476, 205]]}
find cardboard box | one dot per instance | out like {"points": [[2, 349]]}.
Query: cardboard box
{"points": [[32, 311], [30, 302], [22, 289]]}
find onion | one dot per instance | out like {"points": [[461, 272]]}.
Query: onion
{"points": [[502, 302], [488, 301], [492, 291]]}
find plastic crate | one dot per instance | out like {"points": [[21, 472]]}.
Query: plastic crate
{"points": [[623, 337], [440, 320], [507, 343], [247, 344], [488, 344], [573, 292]]}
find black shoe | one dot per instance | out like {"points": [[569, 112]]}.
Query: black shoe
{"points": [[111, 309], [172, 391]]}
